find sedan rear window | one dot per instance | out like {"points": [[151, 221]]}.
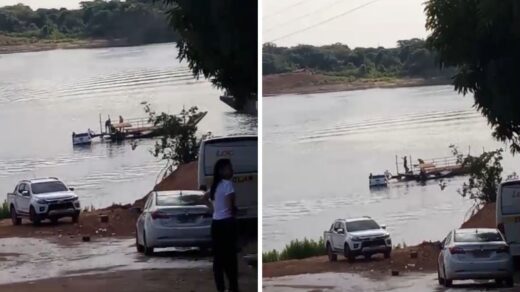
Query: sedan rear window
{"points": [[361, 225], [477, 236], [48, 187], [180, 200]]}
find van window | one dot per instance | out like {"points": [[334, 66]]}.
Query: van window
{"points": [[242, 153], [510, 199]]}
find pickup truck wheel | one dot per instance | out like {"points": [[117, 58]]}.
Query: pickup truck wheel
{"points": [[332, 256], [346, 250], [54, 220], [33, 217], [14, 217], [75, 219]]}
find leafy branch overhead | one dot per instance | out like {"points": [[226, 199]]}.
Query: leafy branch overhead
{"points": [[485, 174], [178, 142], [219, 40], [481, 38]]}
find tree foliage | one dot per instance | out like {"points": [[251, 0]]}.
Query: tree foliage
{"points": [[138, 21], [485, 174], [219, 41], [178, 143], [481, 38], [411, 58]]}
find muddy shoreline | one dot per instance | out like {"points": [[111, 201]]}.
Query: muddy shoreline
{"points": [[309, 83]]}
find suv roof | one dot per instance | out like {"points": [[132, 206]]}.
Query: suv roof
{"points": [[40, 180]]}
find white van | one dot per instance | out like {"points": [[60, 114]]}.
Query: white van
{"points": [[508, 213], [243, 153]]}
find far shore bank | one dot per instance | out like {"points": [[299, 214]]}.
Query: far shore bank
{"points": [[10, 45], [309, 83]]}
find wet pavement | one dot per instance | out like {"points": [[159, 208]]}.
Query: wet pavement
{"points": [[354, 282], [28, 259]]}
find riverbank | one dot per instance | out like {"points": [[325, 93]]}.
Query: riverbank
{"points": [[309, 82], [424, 257], [11, 45], [109, 260]]}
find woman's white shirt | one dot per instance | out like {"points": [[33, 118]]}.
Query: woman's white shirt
{"points": [[221, 210]]}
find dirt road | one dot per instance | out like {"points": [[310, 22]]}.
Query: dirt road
{"points": [[164, 280]]}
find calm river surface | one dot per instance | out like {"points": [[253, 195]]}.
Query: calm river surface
{"points": [[45, 96], [319, 149]]}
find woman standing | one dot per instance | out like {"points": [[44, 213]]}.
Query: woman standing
{"points": [[224, 226]]}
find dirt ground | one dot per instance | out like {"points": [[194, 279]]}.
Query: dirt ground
{"points": [[401, 259], [307, 82], [137, 280]]}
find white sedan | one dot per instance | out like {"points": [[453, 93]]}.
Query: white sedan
{"points": [[475, 254], [173, 219]]}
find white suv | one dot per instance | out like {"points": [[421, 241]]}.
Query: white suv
{"points": [[355, 237], [44, 198]]}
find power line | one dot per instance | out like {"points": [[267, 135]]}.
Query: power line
{"points": [[304, 16], [325, 21], [284, 9]]}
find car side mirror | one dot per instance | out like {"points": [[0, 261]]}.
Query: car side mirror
{"points": [[25, 193], [341, 231], [383, 227], [71, 189]]}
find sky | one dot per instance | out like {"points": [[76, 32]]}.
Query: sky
{"points": [[381, 23], [35, 4]]}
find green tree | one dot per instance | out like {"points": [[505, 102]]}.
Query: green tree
{"points": [[481, 38], [178, 143], [485, 175], [219, 40]]}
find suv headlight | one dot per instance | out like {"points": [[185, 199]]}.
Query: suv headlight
{"points": [[355, 238], [386, 236], [41, 201]]}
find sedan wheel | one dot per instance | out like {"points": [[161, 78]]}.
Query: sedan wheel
{"points": [[146, 249], [140, 248], [441, 280], [447, 282]]}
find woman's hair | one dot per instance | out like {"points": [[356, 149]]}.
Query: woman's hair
{"points": [[217, 177]]}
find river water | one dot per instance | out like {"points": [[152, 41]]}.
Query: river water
{"points": [[45, 96], [319, 149]]}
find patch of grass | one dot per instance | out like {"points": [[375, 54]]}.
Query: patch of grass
{"points": [[4, 210], [297, 249]]}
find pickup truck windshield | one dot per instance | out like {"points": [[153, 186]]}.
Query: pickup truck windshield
{"points": [[48, 187], [361, 225]]}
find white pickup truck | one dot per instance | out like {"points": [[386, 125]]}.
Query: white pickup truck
{"points": [[355, 237], [44, 198]]}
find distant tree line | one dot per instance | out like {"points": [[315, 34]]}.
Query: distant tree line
{"points": [[411, 58], [138, 21]]}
